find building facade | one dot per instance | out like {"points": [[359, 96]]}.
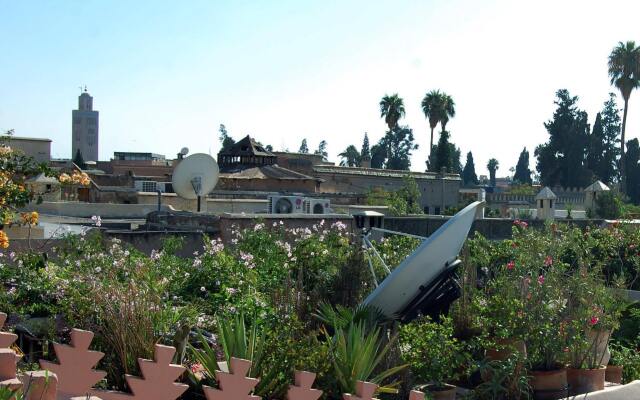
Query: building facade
{"points": [[85, 129], [38, 148]]}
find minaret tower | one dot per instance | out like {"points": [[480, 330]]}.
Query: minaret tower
{"points": [[85, 126]]}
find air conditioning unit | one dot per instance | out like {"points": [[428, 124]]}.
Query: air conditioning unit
{"points": [[317, 206], [286, 204]]}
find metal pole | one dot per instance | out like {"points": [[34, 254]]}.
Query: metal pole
{"points": [[159, 200], [198, 203]]}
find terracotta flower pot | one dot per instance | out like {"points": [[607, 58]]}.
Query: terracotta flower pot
{"points": [[613, 374], [585, 380], [449, 393], [549, 385], [505, 348]]}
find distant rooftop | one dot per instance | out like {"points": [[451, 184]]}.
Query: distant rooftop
{"points": [[381, 172], [11, 137]]}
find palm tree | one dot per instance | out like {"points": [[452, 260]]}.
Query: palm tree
{"points": [[431, 107], [448, 110], [624, 71], [438, 107], [350, 157], [492, 166], [392, 109]]}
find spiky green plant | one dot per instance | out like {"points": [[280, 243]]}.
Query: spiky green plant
{"points": [[356, 352]]}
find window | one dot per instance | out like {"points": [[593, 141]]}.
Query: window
{"points": [[77, 120], [91, 131], [149, 186], [437, 211], [91, 121], [550, 203], [541, 204]]}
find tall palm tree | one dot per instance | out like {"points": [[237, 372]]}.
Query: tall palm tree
{"points": [[448, 110], [624, 71], [392, 109], [432, 109], [438, 107], [492, 166]]}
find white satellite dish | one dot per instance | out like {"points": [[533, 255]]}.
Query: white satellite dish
{"points": [[423, 267], [184, 151], [195, 176]]}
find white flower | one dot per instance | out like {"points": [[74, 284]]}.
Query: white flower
{"points": [[203, 289]]}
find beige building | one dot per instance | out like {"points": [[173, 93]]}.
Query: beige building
{"points": [[438, 191], [85, 126], [39, 149]]}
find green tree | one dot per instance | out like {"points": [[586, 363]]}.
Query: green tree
{"points": [[304, 149], [392, 109], [225, 140], [624, 71], [268, 148], [492, 166], [365, 153], [322, 150], [562, 159], [399, 144], [523, 173], [79, 160], [632, 161], [469, 176], [378, 155], [437, 107], [445, 155], [607, 171], [350, 157]]}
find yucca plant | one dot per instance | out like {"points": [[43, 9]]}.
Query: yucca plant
{"points": [[356, 352], [237, 341], [340, 317]]}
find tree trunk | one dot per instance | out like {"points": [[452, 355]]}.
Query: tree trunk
{"points": [[623, 176], [431, 144]]}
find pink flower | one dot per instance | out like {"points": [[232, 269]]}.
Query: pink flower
{"points": [[521, 224], [541, 279], [511, 265], [594, 320], [548, 261]]}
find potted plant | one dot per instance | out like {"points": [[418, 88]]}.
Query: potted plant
{"points": [[593, 312], [615, 367], [434, 356], [502, 311]]}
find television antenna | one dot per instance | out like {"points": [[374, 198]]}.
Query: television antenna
{"points": [[195, 176]]}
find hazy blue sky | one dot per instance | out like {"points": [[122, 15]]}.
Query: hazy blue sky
{"points": [[165, 74]]}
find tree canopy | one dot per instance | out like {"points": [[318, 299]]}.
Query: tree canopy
{"points": [[304, 148], [350, 157], [392, 109], [493, 166], [444, 155], [523, 173], [365, 153], [469, 176], [225, 140], [561, 161], [322, 150]]}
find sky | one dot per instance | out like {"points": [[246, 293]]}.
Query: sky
{"points": [[166, 74]]}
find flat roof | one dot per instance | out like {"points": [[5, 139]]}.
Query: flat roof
{"points": [[382, 172], [10, 137]]}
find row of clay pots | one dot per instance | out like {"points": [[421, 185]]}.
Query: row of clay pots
{"points": [[559, 383]]}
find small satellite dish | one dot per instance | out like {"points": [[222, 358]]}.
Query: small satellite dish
{"points": [[195, 176], [184, 151]]}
